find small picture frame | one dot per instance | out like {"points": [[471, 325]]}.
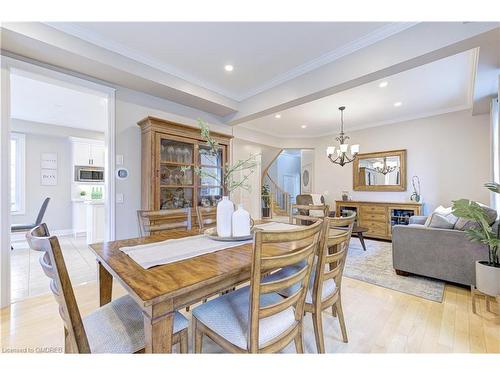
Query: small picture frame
{"points": [[48, 177], [48, 160]]}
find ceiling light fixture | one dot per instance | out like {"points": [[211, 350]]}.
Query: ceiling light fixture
{"points": [[383, 84], [398, 104], [304, 126], [385, 167], [277, 115], [340, 156], [229, 68]]}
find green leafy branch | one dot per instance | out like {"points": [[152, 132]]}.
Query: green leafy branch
{"points": [[229, 181], [471, 210]]}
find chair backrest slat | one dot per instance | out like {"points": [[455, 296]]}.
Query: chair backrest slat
{"points": [[301, 213], [273, 250], [54, 267], [151, 222], [206, 216], [331, 256]]}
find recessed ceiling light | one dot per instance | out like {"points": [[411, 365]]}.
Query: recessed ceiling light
{"points": [[277, 115], [398, 104], [303, 126], [228, 68], [383, 84]]}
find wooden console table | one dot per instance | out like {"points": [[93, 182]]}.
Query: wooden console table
{"points": [[379, 217]]}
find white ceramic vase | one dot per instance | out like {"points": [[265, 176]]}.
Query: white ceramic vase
{"points": [[487, 279], [225, 209], [241, 222]]}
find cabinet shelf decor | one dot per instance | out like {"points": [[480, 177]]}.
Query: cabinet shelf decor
{"points": [[170, 153]]}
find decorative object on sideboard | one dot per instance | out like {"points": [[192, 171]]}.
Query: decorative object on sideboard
{"points": [[487, 272], [380, 171], [340, 155], [345, 195], [416, 196], [232, 177]]}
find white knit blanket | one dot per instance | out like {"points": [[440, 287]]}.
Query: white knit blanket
{"points": [[169, 251]]}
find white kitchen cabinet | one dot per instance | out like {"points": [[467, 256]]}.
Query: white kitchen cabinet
{"points": [[88, 152], [95, 221], [79, 218], [97, 155]]}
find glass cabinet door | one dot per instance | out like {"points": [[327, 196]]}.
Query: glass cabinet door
{"points": [[209, 191], [175, 152], [172, 198]]}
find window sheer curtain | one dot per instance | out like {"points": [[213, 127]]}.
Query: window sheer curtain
{"points": [[495, 150]]}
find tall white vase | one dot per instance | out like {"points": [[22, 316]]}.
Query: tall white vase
{"points": [[225, 209], [241, 222]]}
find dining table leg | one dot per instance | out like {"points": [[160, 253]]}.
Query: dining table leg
{"points": [[158, 327], [105, 285]]}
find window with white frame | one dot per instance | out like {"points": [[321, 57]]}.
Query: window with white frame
{"points": [[17, 173]]}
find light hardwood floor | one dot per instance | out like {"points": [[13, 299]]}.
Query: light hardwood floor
{"points": [[27, 276], [378, 320]]}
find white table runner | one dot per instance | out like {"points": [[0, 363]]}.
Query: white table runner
{"points": [[169, 251]]}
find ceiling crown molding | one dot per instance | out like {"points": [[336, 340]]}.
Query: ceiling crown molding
{"points": [[351, 47], [130, 53]]}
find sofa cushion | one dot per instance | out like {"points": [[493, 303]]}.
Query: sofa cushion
{"points": [[464, 224], [444, 213], [442, 221]]}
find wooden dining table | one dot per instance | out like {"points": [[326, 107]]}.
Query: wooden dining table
{"points": [[162, 290]]}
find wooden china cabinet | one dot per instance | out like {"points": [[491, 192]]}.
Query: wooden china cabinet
{"points": [[170, 151]]}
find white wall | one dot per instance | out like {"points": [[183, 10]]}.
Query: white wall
{"points": [[450, 153]]}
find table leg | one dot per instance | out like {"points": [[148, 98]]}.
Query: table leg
{"points": [[105, 285], [362, 240], [158, 327]]}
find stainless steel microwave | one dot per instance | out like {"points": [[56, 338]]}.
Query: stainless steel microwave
{"points": [[89, 174]]}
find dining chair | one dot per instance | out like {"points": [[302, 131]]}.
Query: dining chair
{"points": [[255, 319], [117, 327], [151, 222], [207, 217], [324, 289], [300, 213]]}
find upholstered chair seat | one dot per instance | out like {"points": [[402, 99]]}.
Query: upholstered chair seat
{"points": [[118, 327], [228, 317]]}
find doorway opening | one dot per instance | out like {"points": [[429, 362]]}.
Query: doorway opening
{"points": [[61, 140]]}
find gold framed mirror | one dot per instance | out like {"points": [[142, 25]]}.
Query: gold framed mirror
{"points": [[380, 171]]}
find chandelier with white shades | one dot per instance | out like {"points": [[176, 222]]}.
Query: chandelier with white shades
{"points": [[340, 155]]}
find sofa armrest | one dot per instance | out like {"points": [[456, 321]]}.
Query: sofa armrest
{"points": [[445, 254], [418, 219]]}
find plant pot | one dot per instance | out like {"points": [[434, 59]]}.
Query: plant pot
{"points": [[487, 278], [266, 212], [225, 209]]}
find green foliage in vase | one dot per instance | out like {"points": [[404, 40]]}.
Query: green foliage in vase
{"points": [[471, 210], [233, 176]]}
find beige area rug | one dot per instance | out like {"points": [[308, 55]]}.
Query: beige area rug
{"points": [[374, 266]]}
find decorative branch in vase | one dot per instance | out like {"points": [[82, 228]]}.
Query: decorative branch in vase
{"points": [[233, 176]]}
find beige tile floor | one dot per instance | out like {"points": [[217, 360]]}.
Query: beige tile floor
{"points": [[27, 277]]}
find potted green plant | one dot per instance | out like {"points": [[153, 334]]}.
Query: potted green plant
{"points": [[266, 201], [487, 272]]}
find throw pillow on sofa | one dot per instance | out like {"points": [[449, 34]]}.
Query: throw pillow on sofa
{"points": [[443, 212], [442, 221], [463, 224]]}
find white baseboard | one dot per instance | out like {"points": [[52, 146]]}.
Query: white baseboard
{"points": [[21, 236]]}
